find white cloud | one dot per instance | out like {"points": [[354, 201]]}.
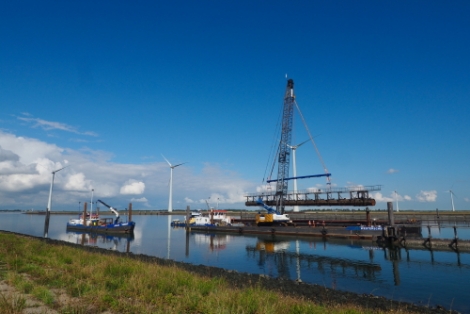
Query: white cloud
{"points": [[392, 171], [381, 198], [77, 182], [188, 200], [133, 187], [427, 196], [52, 125], [401, 197], [265, 188], [25, 177], [139, 200]]}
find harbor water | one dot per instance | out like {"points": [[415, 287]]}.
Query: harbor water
{"points": [[421, 276]]}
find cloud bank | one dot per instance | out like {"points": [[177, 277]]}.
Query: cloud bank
{"points": [[26, 165]]}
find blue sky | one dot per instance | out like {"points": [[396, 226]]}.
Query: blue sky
{"points": [[109, 87]]}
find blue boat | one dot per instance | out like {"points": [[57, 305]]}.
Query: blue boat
{"points": [[94, 224]]}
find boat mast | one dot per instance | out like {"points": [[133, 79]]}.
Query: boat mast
{"points": [[284, 149]]}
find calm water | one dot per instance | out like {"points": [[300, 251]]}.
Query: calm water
{"points": [[418, 276]]}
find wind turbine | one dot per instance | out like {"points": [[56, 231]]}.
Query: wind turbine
{"points": [[49, 203], [452, 199], [396, 199], [170, 201], [294, 167]]}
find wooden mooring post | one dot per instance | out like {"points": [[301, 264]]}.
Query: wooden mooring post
{"points": [[427, 243], [389, 232], [187, 218], [455, 241]]}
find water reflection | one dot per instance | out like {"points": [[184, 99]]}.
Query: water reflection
{"points": [[274, 254], [118, 242], [215, 242]]}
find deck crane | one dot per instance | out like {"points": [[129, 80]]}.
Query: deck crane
{"points": [[111, 209], [272, 217]]}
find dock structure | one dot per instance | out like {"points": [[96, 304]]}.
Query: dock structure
{"points": [[353, 196]]}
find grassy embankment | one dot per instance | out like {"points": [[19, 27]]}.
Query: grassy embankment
{"points": [[90, 282]]}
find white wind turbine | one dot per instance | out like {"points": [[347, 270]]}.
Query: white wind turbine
{"points": [[294, 167], [170, 201], [452, 199], [49, 203], [396, 200]]}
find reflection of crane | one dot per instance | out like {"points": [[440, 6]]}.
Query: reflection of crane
{"points": [[111, 209]]}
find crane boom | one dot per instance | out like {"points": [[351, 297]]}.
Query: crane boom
{"points": [[284, 149], [111, 209], [269, 209]]}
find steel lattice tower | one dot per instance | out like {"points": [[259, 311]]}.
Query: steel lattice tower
{"points": [[284, 149]]}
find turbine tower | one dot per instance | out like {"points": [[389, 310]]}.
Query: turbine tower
{"points": [[49, 203], [396, 200], [294, 168], [170, 201], [452, 199]]}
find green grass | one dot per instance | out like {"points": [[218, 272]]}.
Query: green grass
{"points": [[100, 282], [12, 305]]}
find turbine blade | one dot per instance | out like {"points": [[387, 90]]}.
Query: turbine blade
{"points": [[59, 169], [303, 143], [179, 164], [166, 160]]}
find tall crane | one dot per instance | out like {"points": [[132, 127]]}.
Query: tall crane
{"points": [[284, 149], [358, 196]]}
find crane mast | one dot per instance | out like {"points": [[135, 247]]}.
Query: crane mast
{"points": [[284, 149]]}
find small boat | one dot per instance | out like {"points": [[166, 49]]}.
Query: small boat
{"points": [[212, 219], [215, 218], [94, 224], [192, 220]]}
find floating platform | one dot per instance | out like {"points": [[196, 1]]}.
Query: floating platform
{"points": [[370, 234], [318, 197]]}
